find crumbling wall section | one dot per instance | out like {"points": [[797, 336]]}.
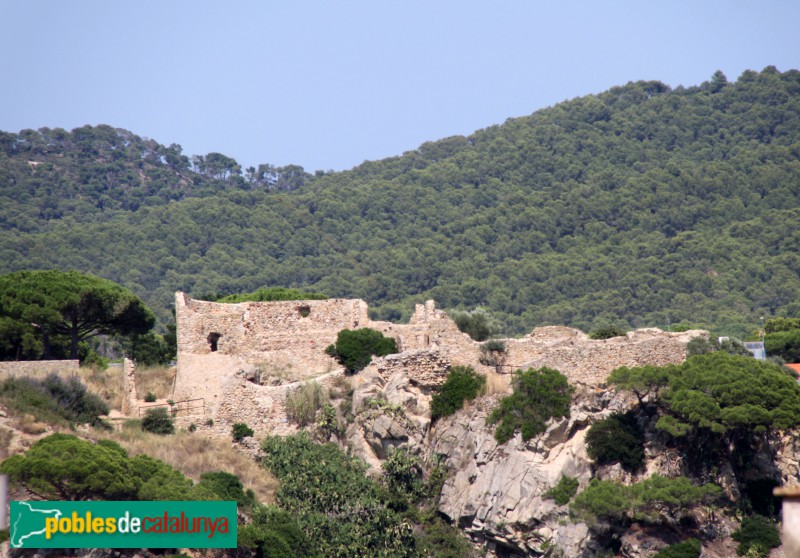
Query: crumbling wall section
{"points": [[130, 400], [262, 408], [285, 342], [425, 369], [590, 361]]}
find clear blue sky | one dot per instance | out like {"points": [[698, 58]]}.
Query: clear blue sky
{"points": [[328, 85]]}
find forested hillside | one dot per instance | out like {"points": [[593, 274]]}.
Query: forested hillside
{"points": [[639, 206]]}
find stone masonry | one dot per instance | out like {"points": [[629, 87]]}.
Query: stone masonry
{"points": [[36, 368], [285, 341]]}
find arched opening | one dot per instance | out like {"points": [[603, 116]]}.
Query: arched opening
{"points": [[213, 340]]}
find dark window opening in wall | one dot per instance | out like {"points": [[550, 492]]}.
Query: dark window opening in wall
{"points": [[213, 339], [304, 311]]}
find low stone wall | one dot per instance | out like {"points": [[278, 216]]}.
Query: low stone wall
{"points": [[36, 368], [426, 369], [588, 361], [262, 408]]}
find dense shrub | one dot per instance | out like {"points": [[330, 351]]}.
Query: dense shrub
{"points": [[478, 324], [227, 487], [355, 348], [607, 332], [150, 397], [158, 421], [303, 403], [690, 548], [53, 399], [462, 384], [274, 533], [563, 492], [617, 439], [402, 473], [539, 395], [493, 353], [240, 431], [757, 533], [342, 511]]}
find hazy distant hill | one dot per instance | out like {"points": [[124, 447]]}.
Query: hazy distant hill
{"points": [[641, 205]]}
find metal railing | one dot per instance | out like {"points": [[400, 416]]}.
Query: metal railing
{"points": [[183, 408]]}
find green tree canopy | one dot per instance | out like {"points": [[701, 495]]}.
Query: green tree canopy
{"points": [[718, 391], [76, 305], [62, 466], [655, 499]]}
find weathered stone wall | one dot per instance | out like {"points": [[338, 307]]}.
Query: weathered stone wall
{"points": [[36, 368], [426, 369], [286, 341], [589, 361]]}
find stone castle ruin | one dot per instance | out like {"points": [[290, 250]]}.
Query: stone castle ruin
{"points": [[243, 359]]}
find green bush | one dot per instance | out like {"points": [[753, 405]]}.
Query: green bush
{"points": [[274, 533], [690, 548], [462, 384], [402, 473], [538, 396], [441, 540], [303, 403], [607, 332], [493, 353], [355, 348], [617, 439], [563, 492], [227, 487], [327, 422], [150, 397], [343, 511], [479, 324], [158, 421], [240, 431], [53, 399], [757, 533]]}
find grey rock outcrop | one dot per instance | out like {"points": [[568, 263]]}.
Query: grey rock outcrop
{"points": [[496, 493]]}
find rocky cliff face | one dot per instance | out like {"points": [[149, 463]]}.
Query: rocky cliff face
{"points": [[496, 493]]}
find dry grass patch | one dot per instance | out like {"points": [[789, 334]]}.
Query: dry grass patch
{"points": [[496, 384], [157, 380], [193, 455], [28, 424], [107, 384]]}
